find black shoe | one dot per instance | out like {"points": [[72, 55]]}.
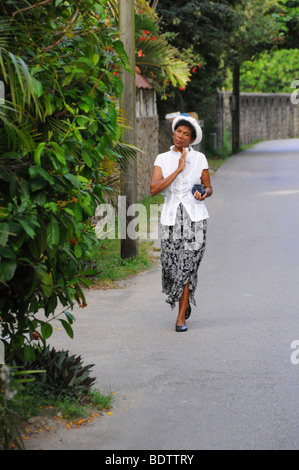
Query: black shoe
{"points": [[180, 328], [188, 312]]}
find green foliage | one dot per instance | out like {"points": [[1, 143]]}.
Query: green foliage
{"points": [[289, 25], [223, 33], [9, 420], [271, 72], [11, 382], [65, 374], [202, 31], [159, 60], [58, 128], [258, 28]]}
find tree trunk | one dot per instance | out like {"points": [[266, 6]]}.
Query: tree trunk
{"points": [[236, 110], [129, 247]]}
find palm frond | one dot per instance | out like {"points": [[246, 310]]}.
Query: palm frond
{"points": [[15, 134], [165, 57], [21, 85]]}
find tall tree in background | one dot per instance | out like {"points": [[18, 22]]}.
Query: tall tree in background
{"points": [[202, 30], [275, 69], [223, 33], [288, 37], [258, 28]]}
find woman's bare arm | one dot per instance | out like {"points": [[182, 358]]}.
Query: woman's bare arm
{"points": [[206, 181]]}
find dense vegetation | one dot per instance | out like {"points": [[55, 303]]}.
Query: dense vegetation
{"points": [[59, 131], [271, 72], [228, 34]]}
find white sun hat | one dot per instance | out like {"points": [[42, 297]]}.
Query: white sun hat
{"points": [[193, 122]]}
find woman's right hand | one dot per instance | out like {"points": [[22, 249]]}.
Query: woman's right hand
{"points": [[182, 159], [158, 183]]}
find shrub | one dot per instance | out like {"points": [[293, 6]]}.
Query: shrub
{"points": [[65, 374], [58, 127]]}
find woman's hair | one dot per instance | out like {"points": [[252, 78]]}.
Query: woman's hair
{"points": [[183, 122]]}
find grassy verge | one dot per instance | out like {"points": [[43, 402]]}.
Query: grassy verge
{"points": [[216, 157], [112, 268], [38, 415], [215, 162], [63, 407]]}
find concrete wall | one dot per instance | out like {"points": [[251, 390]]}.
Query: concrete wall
{"points": [[263, 116]]}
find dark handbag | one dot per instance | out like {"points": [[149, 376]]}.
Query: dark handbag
{"points": [[200, 188]]}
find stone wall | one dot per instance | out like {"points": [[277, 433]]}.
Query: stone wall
{"points": [[165, 136], [263, 116]]}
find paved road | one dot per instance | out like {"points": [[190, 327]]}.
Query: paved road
{"points": [[228, 383]]}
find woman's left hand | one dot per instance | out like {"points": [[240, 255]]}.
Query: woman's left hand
{"points": [[199, 197]]}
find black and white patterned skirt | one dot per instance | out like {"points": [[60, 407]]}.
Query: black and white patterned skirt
{"points": [[182, 249]]}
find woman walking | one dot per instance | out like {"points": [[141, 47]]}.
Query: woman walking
{"points": [[180, 173]]}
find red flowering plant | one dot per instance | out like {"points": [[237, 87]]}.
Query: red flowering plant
{"points": [[159, 61]]}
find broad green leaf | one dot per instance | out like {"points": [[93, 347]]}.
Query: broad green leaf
{"points": [[7, 270], [70, 317], [47, 290], [4, 233], [29, 354], [46, 330], [87, 159], [95, 59], [53, 234], [78, 251], [51, 304], [73, 179], [78, 134], [93, 128], [120, 50], [51, 206], [78, 212], [38, 153], [36, 170], [69, 108], [83, 121], [69, 211], [28, 229], [37, 87], [84, 107], [67, 328], [59, 152], [83, 179], [43, 275]]}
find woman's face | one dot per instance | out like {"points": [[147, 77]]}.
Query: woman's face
{"points": [[182, 137]]}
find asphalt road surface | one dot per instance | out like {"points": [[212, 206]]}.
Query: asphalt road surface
{"points": [[231, 381]]}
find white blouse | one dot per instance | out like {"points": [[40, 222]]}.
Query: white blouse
{"points": [[180, 189]]}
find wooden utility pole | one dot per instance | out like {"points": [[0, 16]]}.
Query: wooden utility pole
{"points": [[236, 110], [129, 247]]}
